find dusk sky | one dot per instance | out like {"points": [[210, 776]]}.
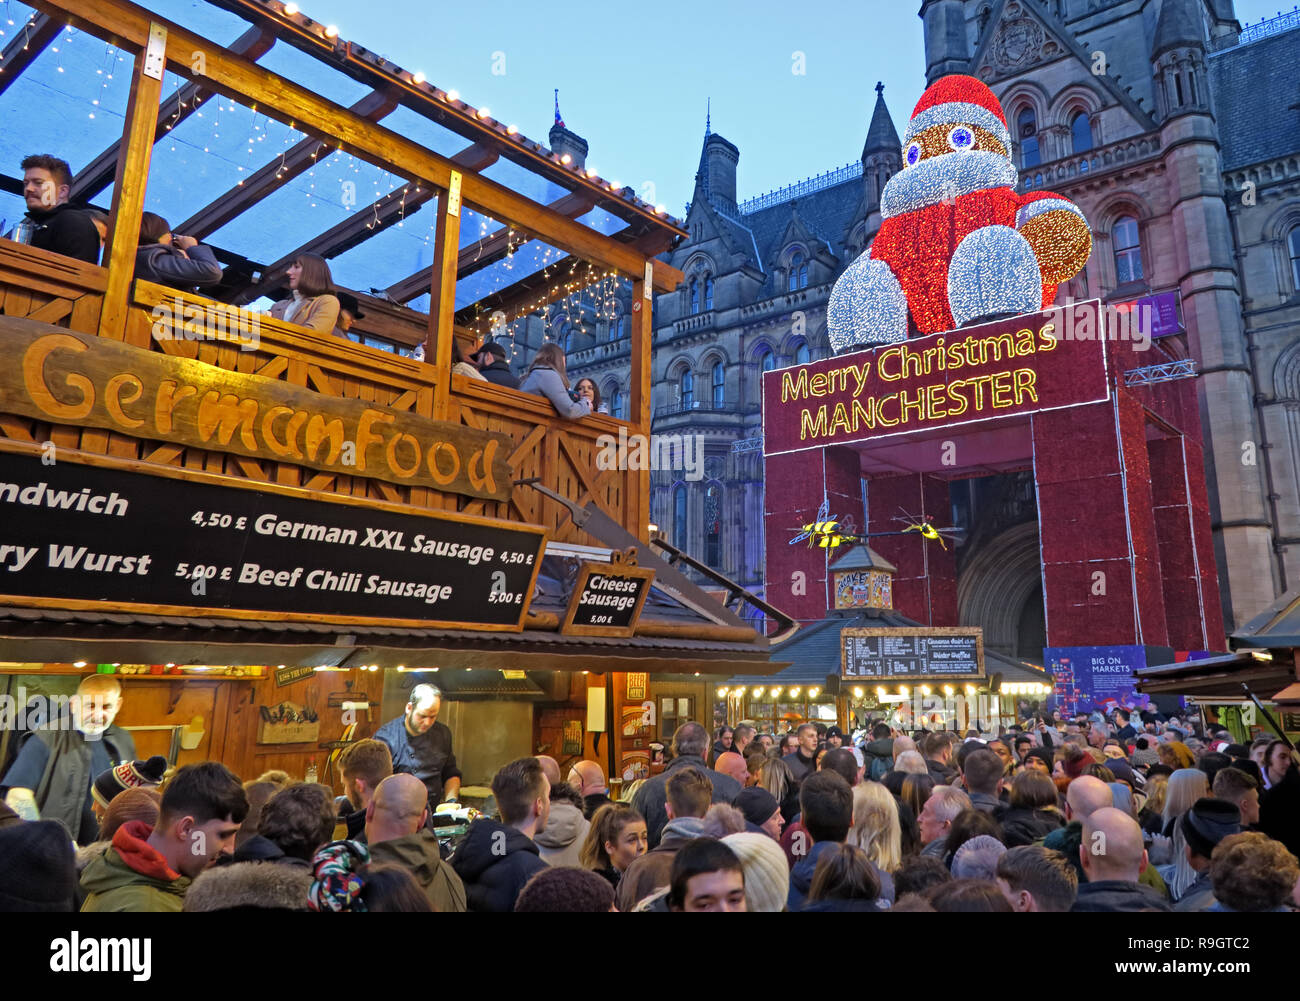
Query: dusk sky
{"points": [[634, 79]]}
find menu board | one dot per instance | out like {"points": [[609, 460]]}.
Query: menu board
{"points": [[912, 654], [71, 532]]}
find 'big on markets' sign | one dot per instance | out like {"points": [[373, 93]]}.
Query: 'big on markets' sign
{"points": [[1006, 368], [79, 379]]}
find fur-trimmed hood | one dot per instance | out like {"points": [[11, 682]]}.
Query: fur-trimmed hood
{"points": [[261, 885]]}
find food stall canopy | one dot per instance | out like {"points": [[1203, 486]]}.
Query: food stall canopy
{"points": [[1230, 676], [1277, 627]]}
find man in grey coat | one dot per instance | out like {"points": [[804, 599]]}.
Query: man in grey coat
{"points": [[691, 743]]}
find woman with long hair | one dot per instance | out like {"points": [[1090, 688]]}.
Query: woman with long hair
{"points": [[546, 377], [313, 303], [1167, 851], [588, 390], [876, 829], [179, 261], [616, 839], [1034, 812], [775, 776]]}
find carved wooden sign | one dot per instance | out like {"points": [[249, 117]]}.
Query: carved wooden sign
{"points": [[71, 378]]}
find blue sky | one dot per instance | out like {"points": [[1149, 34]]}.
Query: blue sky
{"points": [[634, 78]]}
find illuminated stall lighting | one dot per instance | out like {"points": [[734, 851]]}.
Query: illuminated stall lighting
{"points": [[880, 691], [418, 78], [453, 95], [902, 690], [511, 129], [756, 693], [925, 689], [794, 693], [332, 31], [776, 692], [814, 692], [722, 693], [949, 690], [970, 689], [291, 9], [858, 693], [80, 663]]}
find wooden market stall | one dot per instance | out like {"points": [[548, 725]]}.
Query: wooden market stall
{"points": [[256, 454]]}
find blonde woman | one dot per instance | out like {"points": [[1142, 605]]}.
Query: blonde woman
{"points": [[546, 377], [313, 303], [1185, 787], [775, 776], [876, 829]]}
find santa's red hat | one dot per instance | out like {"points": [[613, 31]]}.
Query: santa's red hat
{"points": [[958, 100]]}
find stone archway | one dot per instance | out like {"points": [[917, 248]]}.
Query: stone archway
{"points": [[997, 584]]}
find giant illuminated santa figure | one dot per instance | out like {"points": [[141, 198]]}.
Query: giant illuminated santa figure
{"points": [[958, 243]]}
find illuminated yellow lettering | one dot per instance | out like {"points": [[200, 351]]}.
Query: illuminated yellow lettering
{"points": [[880, 411], [885, 356], [1026, 379], [808, 428], [1047, 337], [840, 418], [917, 403], [794, 385], [1001, 392], [935, 398], [817, 384]]}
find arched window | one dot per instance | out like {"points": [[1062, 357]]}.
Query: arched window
{"points": [[1027, 131], [686, 386], [1081, 132], [796, 263], [1128, 250], [695, 296], [719, 385], [708, 291], [679, 516], [802, 356], [1293, 246], [713, 526], [766, 360], [619, 406]]}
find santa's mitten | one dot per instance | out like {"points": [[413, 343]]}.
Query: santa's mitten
{"points": [[993, 272], [867, 306], [1059, 234]]}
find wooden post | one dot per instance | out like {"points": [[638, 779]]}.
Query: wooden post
{"points": [[639, 402], [442, 297], [132, 176]]}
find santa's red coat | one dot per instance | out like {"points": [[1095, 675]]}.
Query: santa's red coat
{"points": [[919, 245]]}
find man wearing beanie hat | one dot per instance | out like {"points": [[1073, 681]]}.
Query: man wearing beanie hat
{"points": [[565, 889], [37, 867], [127, 775], [762, 812], [1207, 823], [767, 876]]}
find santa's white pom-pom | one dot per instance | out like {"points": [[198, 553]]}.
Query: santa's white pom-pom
{"points": [[867, 306], [993, 271]]}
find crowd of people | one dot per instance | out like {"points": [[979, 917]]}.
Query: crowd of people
{"points": [[1092, 814], [52, 222]]}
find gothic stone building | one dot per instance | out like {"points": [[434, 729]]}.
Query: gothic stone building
{"points": [[1176, 132]]}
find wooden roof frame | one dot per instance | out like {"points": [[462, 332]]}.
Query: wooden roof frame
{"points": [[127, 25]]}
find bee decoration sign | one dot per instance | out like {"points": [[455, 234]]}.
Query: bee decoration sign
{"points": [[608, 597]]}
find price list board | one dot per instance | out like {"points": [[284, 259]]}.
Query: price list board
{"points": [[79, 535], [916, 655]]}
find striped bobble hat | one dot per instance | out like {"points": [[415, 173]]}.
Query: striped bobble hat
{"points": [[128, 775]]}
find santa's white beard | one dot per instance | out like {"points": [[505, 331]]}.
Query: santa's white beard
{"points": [[941, 178]]}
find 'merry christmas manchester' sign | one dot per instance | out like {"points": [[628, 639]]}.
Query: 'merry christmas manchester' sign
{"points": [[1006, 368]]}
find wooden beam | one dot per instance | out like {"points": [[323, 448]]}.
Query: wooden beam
{"points": [[128, 197], [428, 101], [442, 300], [361, 226], [639, 397], [298, 159], [301, 107], [30, 41], [94, 178], [486, 251]]}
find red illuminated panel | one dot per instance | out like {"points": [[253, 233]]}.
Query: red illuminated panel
{"points": [[1007, 368]]}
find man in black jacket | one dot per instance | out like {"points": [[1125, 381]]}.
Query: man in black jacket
{"points": [[491, 362], [421, 745], [496, 858], [690, 744], [1113, 857], [47, 183]]}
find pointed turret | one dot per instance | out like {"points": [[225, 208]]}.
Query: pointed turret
{"points": [[1178, 26], [563, 141], [716, 177], [1178, 60], [881, 156]]}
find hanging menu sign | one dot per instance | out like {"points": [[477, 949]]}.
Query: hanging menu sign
{"points": [[912, 654], [608, 597], [81, 535]]}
